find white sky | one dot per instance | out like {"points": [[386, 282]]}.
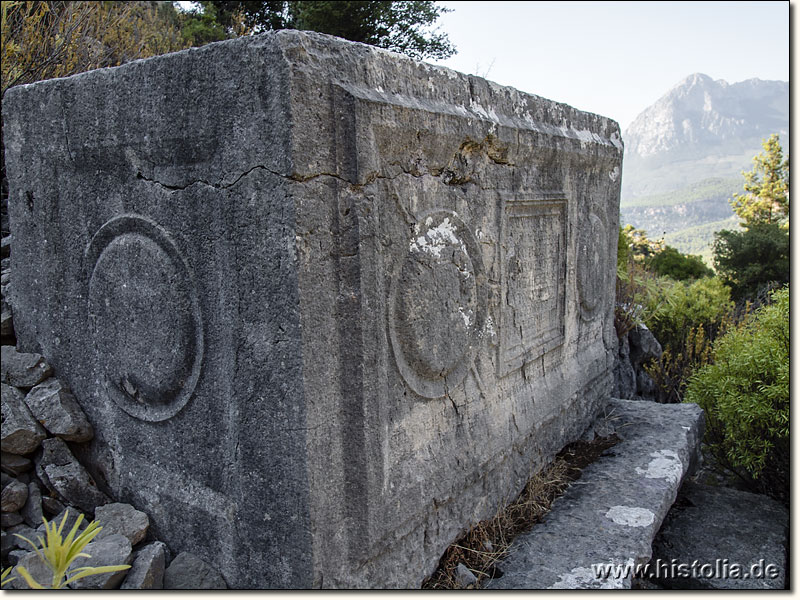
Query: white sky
{"points": [[616, 58]]}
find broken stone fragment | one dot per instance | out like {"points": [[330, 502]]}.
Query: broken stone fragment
{"points": [[41, 572], [6, 319], [6, 544], [14, 556], [51, 506], [21, 434], [26, 532], [21, 369], [13, 496], [464, 577], [189, 572], [66, 478], [32, 511], [52, 404], [14, 464], [147, 572], [72, 515], [122, 519], [644, 345], [113, 550], [9, 519]]}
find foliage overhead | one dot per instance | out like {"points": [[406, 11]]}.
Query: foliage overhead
{"points": [[766, 197], [752, 259], [404, 26], [43, 40], [745, 394]]}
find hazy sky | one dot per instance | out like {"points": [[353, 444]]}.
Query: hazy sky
{"points": [[616, 58]]}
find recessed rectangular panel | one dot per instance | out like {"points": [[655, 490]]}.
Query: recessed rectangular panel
{"points": [[534, 262]]}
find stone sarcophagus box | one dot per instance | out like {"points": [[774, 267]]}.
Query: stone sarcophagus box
{"points": [[325, 305]]}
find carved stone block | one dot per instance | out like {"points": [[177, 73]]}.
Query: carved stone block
{"points": [[326, 306]]}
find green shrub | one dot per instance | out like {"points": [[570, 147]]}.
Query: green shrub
{"points": [[671, 263], [671, 371], [680, 306], [745, 394], [636, 297], [749, 260]]}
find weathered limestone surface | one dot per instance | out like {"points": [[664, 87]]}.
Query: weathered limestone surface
{"points": [[340, 303], [611, 515]]}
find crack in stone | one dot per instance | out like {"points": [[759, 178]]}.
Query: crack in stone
{"points": [[217, 186], [296, 177]]}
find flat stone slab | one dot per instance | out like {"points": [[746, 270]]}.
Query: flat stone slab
{"points": [[726, 539], [610, 515]]}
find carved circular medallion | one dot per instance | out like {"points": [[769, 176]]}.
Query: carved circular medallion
{"points": [[437, 304], [592, 245], [145, 318]]}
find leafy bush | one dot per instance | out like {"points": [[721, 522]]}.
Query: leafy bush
{"points": [[685, 317], [680, 306], [670, 372], [636, 293], [752, 259], [671, 263], [637, 287], [745, 394]]}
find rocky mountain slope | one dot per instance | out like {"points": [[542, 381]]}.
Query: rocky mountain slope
{"points": [[684, 155]]}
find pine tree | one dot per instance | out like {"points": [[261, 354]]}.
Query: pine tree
{"points": [[406, 26], [766, 197]]}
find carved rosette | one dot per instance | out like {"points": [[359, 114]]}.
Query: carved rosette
{"points": [[144, 316], [592, 245], [438, 304]]}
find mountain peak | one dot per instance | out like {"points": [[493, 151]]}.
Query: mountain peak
{"points": [[695, 79], [700, 111]]}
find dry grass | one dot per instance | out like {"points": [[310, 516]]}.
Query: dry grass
{"points": [[487, 543]]}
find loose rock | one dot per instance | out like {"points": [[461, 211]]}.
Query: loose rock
{"points": [[189, 572], [147, 572], [6, 319], [21, 369], [32, 511], [9, 519], [644, 345], [464, 577], [26, 532], [14, 557], [14, 464], [51, 506], [6, 544], [41, 572], [123, 519], [52, 404], [72, 515], [21, 434], [113, 550], [13, 496], [65, 477]]}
